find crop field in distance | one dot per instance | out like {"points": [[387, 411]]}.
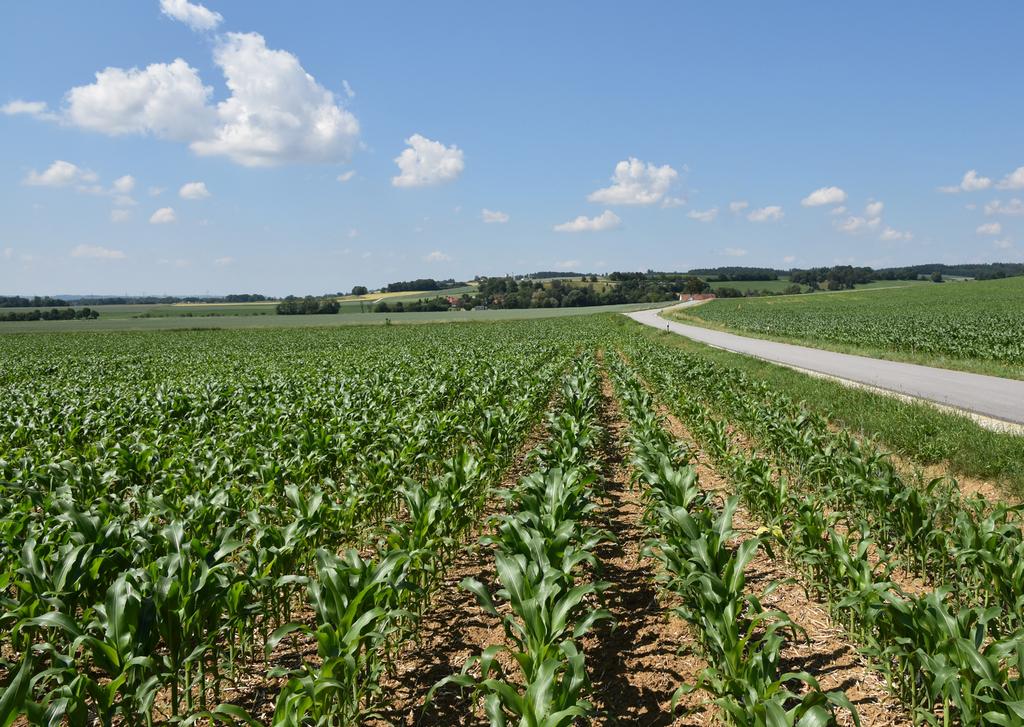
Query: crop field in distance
{"points": [[551, 521], [973, 325]]}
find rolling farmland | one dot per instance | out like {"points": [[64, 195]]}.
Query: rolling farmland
{"points": [[537, 522], [974, 324]]}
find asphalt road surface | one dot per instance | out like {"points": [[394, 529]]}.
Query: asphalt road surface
{"points": [[989, 396]]}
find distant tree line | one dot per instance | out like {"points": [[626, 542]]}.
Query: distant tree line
{"points": [[725, 274], [17, 301], [507, 292], [406, 286], [54, 314], [308, 305]]}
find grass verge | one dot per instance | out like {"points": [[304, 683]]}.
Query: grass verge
{"points": [[917, 432]]}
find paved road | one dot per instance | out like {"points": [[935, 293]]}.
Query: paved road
{"points": [[989, 396]]}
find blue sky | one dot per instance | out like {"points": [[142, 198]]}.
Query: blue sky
{"points": [[164, 146]]}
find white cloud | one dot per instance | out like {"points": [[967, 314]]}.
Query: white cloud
{"points": [[1013, 207], [704, 216], [125, 184], [1013, 180], [96, 251], [437, 257], [222, 261], [789, 259], [607, 220], [197, 17], [120, 215], [8, 253], [971, 182], [353, 233], [738, 206], [840, 210], [566, 264], [635, 183], [348, 89], [734, 252], [854, 224], [824, 196], [427, 162], [890, 234], [59, 174], [1004, 244], [163, 216], [346, 176], [36, 109], [874, 209], [167, 100], [989, 228], [670, 202], [194, 190], [493, 216], [765, 214], [277, 112]]}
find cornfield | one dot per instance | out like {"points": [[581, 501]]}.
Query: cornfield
{"points": [[260, 527]]}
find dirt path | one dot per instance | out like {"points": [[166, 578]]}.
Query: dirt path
{"points": [[638, 665]]}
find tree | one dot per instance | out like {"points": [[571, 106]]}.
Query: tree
{"points": [[359, 290], [694, 285], [937, 276]]}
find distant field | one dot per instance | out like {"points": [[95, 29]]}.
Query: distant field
{"points": [[777, 286], [174, 310], [126, 323], [406, 295], [974, 325]]}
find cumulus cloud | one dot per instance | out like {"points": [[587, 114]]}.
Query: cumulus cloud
{"points": [[493, 216], [766, 214], [670, 202], [1013, 180], [704, 216], [222, 261], [275, 113], [1004, 244], [636, 183], [426, 162], [1013, 207], [824, 196], [840, 210], [889, 234], [98, 252], [36, 109], [125, 184], [346, 176], [120, 215], [989, 228], [163, 216], [874, 209], [167, 100], [971, 182], [437, 257], [197, 17], [854, 223], [59, 174], [789, 259], [734, 252], [194, 190], [738, 206], [607, 220]]}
